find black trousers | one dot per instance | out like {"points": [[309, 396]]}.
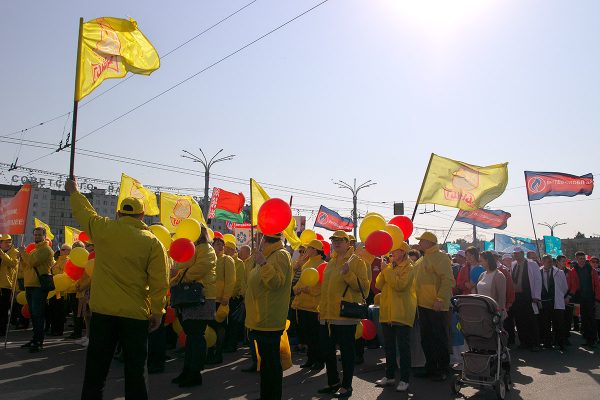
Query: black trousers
{"points": [[235, 328], [5, 295], [308, 326], [36, 299], [569, 309], [271, 371], [195, 345], [397, 337], [551, 325], [343, 336], [434, 339], [588, 323], [525, 320], [57, 313], [72, 304], [105, 332], [157, 346], [220, 328]]}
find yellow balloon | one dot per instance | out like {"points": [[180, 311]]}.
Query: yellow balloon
{"points": [[89, 267], [51, 294], [211, 234], [177, 326], [377, 299], [62, 282], [21, 298], [309, 277], [189, 228], [371, 223], [162, 234], [396, 234], [228, 237], [222, 313], [359, 331], [210, 336], [79, 256], [307, 235]]}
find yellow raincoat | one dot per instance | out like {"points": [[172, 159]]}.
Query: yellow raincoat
{"points": [[42, 258], [434, 279], [201, 268], [398, 302], [8, 267], [240, 279], [225, 277], [308, 301]]}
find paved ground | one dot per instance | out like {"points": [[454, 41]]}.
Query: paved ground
{"points": [[56, 373]]}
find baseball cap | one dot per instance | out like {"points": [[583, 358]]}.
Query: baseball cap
{"points": [[315, 244], [340, 235], [506, 257], [402, 246], [461, 253], [230, 245], [5, 236], [131, 206], [429, 236]]}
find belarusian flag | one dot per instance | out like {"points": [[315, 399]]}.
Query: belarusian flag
{"points": [[227, 206]]}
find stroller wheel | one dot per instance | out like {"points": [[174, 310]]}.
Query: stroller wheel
{"points": [[455, 385], [500, 388]]}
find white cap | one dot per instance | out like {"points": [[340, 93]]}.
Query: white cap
{"points": [[460, 253]]}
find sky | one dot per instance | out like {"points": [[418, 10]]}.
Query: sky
{"points": [[352, 89]]}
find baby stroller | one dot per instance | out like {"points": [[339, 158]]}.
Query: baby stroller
{"points": [[487, 363]]}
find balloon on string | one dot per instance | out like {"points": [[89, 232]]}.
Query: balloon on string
{"points": [[182, 250], [210, 336], [274, 216], [89, 267], [228, 237], [62, 282], [25, 311], [396, 234], [189, 228], [309, 277], [307, 236], [162, 234], [170, 316], [476, 273], [371, 223], [320, 237], [79, 256], [369, 329], [326, 247], [21, 298], [359, 331], [321, 270], [379, 243], [181, 339], [30, 247], [83, 236], [73, 271], [404, 223]]}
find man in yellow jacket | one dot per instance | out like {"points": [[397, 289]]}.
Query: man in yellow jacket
{"points": [[56, 304], [269, 285], [235, 327], [9, 262], [34, 264], [128, 294], [434, 282]]}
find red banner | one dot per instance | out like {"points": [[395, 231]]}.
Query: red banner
{"points": [[13, 211]]}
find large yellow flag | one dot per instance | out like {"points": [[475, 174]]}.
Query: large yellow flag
{"points": [[131, 187], [175, 208], [71, 235], [259, 196], [457, 184], [109, 48], [39, 224]]}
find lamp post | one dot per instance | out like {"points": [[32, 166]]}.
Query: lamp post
{"points": [[207, 164], [554, 225], [354, 189]]}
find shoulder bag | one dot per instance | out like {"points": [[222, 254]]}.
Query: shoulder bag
{"points": [[349, 309], [187, 294], [46, 281]]}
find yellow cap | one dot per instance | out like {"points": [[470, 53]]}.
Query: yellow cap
{"points": [[230, 245], [5, 236], [131, 206], [276, 235], [430, 237], [222, 313], [402, 246], [351, 238], [340, 235], [315, 244]]}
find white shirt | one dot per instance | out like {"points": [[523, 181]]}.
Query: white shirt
{"points": [[484, 286]]}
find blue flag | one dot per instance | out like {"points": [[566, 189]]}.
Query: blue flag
{"points": [[507, 244], [553, 246]]}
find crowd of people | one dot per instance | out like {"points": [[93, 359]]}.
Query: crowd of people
{"points": [[246, 296]]}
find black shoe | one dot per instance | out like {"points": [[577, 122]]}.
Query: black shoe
{"points": [[439, 377], [36, 348], [214, 360], [229, 350], [329, 389], [317, 366], [251, 368], [422, 374], [73, 336], [194, 379], [342, 393], [180, 377], [27, 345], [307, 364]]}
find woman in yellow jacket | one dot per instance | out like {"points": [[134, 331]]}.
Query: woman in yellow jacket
{"points": [[306, 303], [200, 268], [344, 278], [9, 263], [397, 313]]}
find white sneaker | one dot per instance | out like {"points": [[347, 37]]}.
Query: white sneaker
{"points": [[402, 386], [83, 342], [384, 382]]}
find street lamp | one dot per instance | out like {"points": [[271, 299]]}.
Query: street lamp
{"points": [[206, 163], [554, 225], [354, 189]]}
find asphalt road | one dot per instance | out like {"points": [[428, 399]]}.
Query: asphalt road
{"points": [[57, 373]]}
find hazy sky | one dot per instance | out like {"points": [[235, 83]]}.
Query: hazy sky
{"points": [[364, 89]]}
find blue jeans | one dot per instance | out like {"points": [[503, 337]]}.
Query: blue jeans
{"points": [[36, 298]]}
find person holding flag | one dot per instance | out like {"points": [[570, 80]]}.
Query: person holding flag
{"points": [[9, 263]]}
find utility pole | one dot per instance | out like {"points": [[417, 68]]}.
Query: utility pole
{"points": [[207, 164], [354, 189], [554, 225], [474, 235]]}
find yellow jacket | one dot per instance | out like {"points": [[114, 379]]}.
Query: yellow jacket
{"points": [[225, 277], [200, 268], [308, 301], [434, 279], [334, 285], [268, 289], [240, 280], [398, 296], [59, 265], [131, 274], [9, 261], [42, 258]]}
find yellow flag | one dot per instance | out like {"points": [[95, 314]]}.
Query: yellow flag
{"points": [[259, 196], [457, 184], [131, 187], [109, 48], [39, 224], [175, 208], [71, 235]]}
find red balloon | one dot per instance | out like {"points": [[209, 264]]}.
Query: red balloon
{"points": [[25, 311], [182, 250], [326, 247], [92, 255], [321, 270], [369, 329], [320, 237], [30, 247], [181, 339], [379, 243], [404, 223], [274, 216], [170, 316], [84, 237], [73, 271]]}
